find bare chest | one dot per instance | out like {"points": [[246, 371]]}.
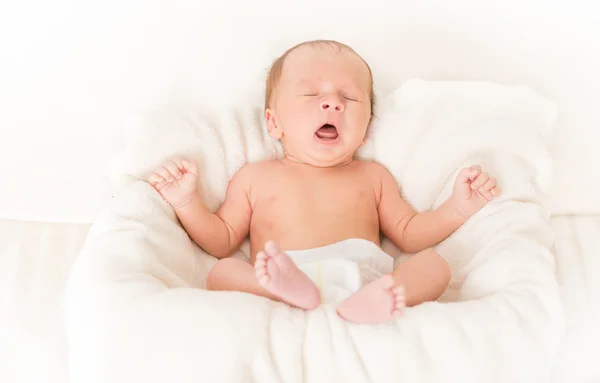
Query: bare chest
{"points": [[330, 199], [308, 211]]}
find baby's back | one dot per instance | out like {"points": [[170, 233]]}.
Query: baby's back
{"points": [[303, 207]]}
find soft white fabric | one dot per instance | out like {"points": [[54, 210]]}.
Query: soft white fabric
{"points": [[341, 268], [64, 97], [136, 310], [29, 249], [35, 260], [577, 249]]}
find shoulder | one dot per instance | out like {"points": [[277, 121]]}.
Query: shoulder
{"points": [[246, 171], [256, 170], [379, 177], [375, 171], [250, 174]]}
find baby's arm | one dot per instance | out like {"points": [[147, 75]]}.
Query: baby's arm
{"points": [[220, 233], [412, 231]]}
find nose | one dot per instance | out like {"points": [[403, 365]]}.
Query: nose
{"points": [[332, 104]]}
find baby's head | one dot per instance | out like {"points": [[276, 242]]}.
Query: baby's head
{"points": [[319, 102]]}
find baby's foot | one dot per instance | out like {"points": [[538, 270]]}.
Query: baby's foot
{"points": [[376, 302], [277, 273]]}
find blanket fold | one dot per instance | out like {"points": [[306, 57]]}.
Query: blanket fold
{"points": [[136, 309]]}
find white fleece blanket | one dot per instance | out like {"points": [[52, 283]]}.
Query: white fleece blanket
{"points": [[136, 310]]}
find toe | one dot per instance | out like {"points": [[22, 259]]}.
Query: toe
{"points": [[260, 264], [260, 256], [399, 290], [399, 298], [271, 268], [399, 295], [271, 248], [261, 272], [387, 281], [400, 304]]}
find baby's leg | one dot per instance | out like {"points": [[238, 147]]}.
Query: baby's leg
{"points": [[274, 276], [423, 277], [231, 274]]}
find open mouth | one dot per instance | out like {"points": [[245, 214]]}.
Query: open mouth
{"points": [[327, 132]]}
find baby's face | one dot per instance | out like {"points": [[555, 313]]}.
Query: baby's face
{"points": [[321, 106]]}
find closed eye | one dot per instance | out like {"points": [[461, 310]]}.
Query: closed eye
{"points": [[350, 98]]}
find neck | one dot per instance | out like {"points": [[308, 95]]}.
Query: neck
{"points": [[299, 161]]}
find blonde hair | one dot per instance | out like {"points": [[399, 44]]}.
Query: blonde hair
{"points": [[277, 68]]}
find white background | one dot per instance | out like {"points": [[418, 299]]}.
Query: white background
{"points": [[72, 71]]}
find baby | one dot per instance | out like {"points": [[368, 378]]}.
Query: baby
{"points": [[319, 103]]}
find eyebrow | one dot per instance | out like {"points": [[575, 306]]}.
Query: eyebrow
{"points": [[302, 83]]}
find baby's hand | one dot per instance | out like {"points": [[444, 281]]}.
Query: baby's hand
{"points": [[176, 180], [473, 190]]}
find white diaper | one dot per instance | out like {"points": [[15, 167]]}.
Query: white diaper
{"points": [[342, 268]]}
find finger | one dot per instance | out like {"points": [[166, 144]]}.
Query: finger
{"points": [[489, 185], [173, 169], [178, 161], [158, 182], [496, 191], [467, 174], [479, 181], [165, 174], [485, 193], [155, 179], [190, 166], [485, 189], [474, 171]]}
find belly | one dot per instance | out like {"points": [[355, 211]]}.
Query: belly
{"points": [[300, 227]]}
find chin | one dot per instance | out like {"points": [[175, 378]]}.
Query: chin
{"points": [[332, 153]]}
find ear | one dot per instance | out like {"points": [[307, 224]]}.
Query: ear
{"points": [[274, 130], [364, 140]]}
